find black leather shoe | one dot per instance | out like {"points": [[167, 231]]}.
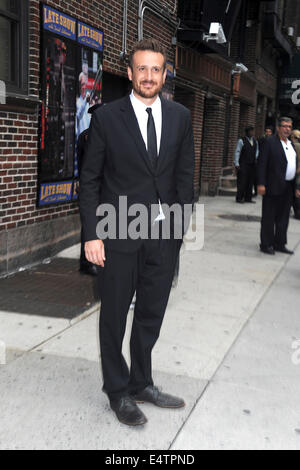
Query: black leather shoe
{"points": [[268, 250], [153, 395], [128, 412], [250, 202], [90, 270], [283, 249]]}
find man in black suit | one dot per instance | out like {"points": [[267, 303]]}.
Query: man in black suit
{"points": [[245, 163], [276, 183], [140, 147]]}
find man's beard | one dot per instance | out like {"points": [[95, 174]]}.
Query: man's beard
{"points": [[147, 93]]}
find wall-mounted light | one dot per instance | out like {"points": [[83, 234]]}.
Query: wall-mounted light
{"points": [[216, 33], [239, 68]]}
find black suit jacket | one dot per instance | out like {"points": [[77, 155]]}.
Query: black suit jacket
{"points": [[272, 166], [117, 164], [81, 144]]}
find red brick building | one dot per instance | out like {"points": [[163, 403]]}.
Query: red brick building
{"points": [[222, 101], [262, 35]]}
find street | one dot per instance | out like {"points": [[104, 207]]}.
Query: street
{"points": [[229, 346]]}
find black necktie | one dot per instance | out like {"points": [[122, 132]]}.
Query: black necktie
{"points": [[152, 139]]}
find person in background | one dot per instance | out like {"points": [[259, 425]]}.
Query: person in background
{"points": [[246, 155], [295, 137], [298, 176], [276, 183], [269, 130], [83, 117]]}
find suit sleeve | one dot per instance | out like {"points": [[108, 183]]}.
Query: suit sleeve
{"points": [[237, 154], [90, 178], [185, 168], [262, 164], [298, 168], [80, 149]]}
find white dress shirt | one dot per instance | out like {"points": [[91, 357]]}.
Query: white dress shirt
{"points": [[142, 117], [291, 158]]}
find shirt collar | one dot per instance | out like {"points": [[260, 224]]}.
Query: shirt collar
{"points": [[138, 104], [287, 143]]}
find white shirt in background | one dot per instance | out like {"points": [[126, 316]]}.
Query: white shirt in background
{"points": [[292, 160]]}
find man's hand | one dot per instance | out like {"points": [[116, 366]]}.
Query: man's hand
{"points": [[297, 192], [237, 169], [95, 252], [261, 190]]}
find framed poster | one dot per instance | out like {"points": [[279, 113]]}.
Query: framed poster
{"points": [[72, 54]]}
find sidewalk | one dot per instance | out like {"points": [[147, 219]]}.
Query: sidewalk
{"points": [[226, 346]]}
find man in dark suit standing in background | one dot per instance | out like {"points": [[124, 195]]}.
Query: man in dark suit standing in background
{"points": [[246, 154], [276, 183], [140, 147]]}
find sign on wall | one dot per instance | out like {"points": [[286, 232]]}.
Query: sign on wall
{"points": [[72, 53]]}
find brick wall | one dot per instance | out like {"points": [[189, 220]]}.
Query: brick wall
{"points": [[198, 119], [194, 99], [234, 131], [213, 144]]}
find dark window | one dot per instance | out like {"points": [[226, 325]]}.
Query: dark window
{"points": [[14, 46]]}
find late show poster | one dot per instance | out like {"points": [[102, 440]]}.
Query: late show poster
{"points": [[72, 54], [89, 62], [59, 87], [168, 90]]}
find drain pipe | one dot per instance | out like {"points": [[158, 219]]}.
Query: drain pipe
{"points": [[124, 53], [156, 10], [175, 7], [159, 6]]}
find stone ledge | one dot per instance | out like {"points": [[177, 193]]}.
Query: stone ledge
{"points": [[30, 244]]}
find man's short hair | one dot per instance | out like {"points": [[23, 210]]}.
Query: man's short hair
{"points": [[270, 128], [284, 119], [148, 45], [249, 128]]}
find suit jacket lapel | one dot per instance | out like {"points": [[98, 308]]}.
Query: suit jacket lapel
{"points": [[282, 151], [165, 132], [133, 127]]}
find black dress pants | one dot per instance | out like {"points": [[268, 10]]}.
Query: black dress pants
{"points": [[148, 272], [245, 182], [275, 218]]}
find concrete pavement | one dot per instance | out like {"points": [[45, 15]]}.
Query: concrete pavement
{"points": [[229, 346]]}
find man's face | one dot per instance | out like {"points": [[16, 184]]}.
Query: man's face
{"points": [[268, 133], [285, 129], [250, 133], [148, 75]]}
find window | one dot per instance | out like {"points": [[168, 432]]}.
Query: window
{"points": [[14, 46]]}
